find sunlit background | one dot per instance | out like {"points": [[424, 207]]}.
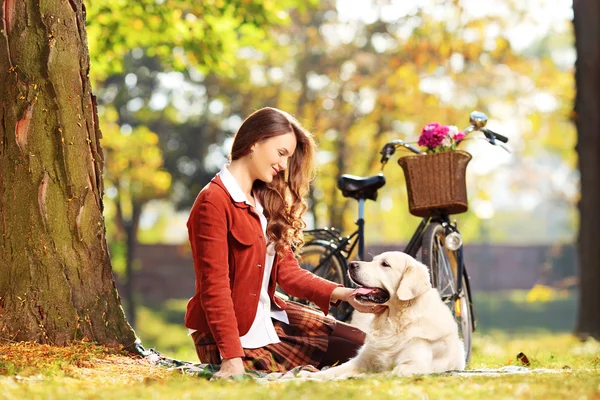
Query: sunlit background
{"points": [[357, 74]]}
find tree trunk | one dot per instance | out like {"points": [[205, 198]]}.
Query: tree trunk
{"points": [[586, 22], [131, 230], [56, 283]]}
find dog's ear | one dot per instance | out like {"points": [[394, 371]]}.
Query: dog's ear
{"points": [[415, 282]]}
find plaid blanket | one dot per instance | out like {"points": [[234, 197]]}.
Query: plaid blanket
{"points": [[303, 343]]}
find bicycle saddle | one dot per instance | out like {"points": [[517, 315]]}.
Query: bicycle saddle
{"points": [[359, 187]]}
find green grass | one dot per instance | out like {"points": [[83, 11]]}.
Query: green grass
{"points": [[506, 329], [573, 386], [581, 380]]}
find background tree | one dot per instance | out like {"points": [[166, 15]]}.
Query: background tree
{"points": [[134, 175], [587, 119], [56, 284]]}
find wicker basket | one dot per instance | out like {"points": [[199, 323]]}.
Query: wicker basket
{"points": [[436, 182]]}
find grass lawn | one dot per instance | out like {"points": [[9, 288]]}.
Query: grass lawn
{"points": [[86, 371]]}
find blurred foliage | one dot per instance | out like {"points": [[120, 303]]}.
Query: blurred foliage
{"points": [[544, 293], [133, 176], [162, 328], [204, 34], [355, 84], [133, 163]]}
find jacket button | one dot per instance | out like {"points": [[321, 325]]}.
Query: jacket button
{"points": [[258, 265], [253, 294]]}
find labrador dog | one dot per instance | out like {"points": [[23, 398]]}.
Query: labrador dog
{"points": [[417, 333]]}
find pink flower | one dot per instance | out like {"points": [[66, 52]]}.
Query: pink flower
{"points": [[432, 135], [437, 137]]}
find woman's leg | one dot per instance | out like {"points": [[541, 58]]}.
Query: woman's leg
{"points": [[344, 342]]}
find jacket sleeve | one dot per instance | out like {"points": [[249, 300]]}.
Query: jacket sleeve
{"points": [[299, 282], [210, 251]]}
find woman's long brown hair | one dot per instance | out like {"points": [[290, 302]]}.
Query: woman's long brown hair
{"points": [[283, 199]]}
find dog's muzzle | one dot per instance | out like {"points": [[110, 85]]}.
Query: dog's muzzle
{"points": [[364, 292], [371, 295]]}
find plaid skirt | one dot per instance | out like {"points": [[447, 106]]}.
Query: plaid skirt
{"points": [[302, 343]]}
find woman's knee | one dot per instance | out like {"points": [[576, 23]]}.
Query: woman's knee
{"points": [[349, 333]]}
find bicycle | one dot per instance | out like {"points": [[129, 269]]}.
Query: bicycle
{"points": [[327, 252]]}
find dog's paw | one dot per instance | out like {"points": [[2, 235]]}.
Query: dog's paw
{"points": [[409, 370], [305, 374]]}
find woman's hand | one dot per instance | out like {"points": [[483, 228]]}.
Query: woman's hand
{"points": [[230, 367], [366, 307], [346, 294]]}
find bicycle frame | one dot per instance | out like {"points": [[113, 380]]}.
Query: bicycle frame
{"points": [[342, 247], [339, 245], [416, 242], [346, 245]]}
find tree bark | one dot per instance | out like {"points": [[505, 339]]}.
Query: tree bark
{"points": [[56, 283], [586, 22]]}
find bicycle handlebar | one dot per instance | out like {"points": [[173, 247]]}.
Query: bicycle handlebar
{"points": [[390, 148], [493, 135], [478, 121]]}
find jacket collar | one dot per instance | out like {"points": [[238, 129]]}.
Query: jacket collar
{"points": [[232, 186], [236, 193], [240, 202]]}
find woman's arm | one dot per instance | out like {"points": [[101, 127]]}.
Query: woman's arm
{"points": [[208, 236], [298, 282]]}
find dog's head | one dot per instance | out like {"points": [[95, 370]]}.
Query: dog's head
{"points": [[390, 275]]}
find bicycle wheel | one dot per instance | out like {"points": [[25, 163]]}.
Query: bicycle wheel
{"points": [[443, 267], [317, 257]]}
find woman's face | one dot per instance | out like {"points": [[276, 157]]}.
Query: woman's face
{"points": [[271, 156]]}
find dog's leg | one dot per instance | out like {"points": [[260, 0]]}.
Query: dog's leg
{"points": [[416, 358], [345, 370], [451, 357]]}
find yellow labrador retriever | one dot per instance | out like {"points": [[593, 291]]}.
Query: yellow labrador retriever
{"points": [[417, 334]]}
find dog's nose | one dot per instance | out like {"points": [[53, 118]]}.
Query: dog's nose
{"points": [[353, 265]]}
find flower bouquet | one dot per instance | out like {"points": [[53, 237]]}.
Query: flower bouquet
{"points": [[437, 138], [436, 181]]}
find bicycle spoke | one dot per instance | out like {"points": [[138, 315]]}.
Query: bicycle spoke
{"points": [[445, 280]]}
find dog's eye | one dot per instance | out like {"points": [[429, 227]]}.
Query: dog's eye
{"points": [[385, 264]]}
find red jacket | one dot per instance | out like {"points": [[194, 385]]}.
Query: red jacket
{"points": [[229, 251]]}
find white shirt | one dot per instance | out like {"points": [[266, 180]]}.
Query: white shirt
{"points": [[261, 332]]}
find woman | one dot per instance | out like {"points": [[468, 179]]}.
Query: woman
{"points": [[241, 228]]}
